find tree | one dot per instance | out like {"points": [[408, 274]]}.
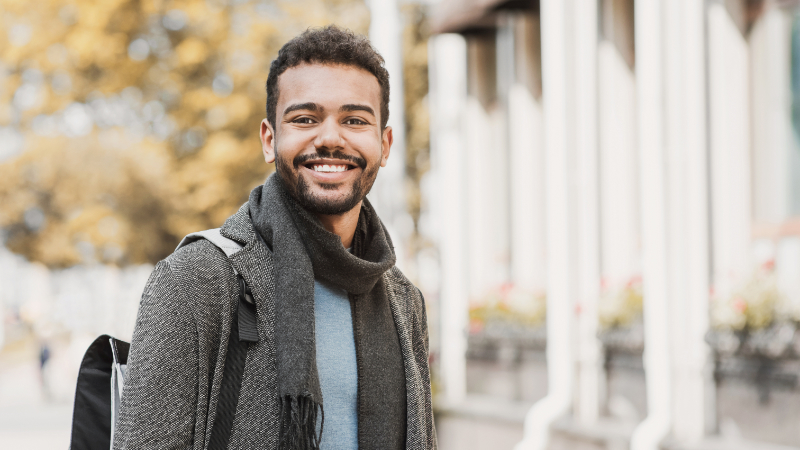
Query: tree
{"points": [[127, 124], [415, 83]]}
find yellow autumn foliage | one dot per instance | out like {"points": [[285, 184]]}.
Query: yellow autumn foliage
{"points": [[191, 52], [126, 124]]}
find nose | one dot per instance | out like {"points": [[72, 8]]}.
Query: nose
{"points": [[329, 136]]}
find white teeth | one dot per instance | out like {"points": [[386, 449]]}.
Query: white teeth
{"points": [[329, 168]]}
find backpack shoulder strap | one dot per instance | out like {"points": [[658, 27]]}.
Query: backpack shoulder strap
{"points": [[243, 331], [91, 415], [228, 246]]}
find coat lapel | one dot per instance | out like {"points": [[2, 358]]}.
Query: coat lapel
{"points": [[399, 299], [254, 263]]}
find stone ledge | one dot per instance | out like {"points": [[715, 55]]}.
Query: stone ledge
{"points": [[484, 407], [605, 433], [728, 444]]}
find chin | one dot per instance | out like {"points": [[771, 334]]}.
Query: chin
{"points": [[327, 199], [324, 198]]}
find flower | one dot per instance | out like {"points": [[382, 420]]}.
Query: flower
{"points": [[756, 304], [619, 307], [507, 305]]}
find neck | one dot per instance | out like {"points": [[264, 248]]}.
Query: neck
{"points": [[343, 225]]}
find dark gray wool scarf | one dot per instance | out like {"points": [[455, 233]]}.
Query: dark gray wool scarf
{"points": [[304, 251]]}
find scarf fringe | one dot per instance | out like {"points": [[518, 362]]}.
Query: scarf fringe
{"points": [[298, 416]]}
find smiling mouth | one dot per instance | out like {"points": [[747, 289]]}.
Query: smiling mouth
{"points": [[326, 165], [324, 161], [329, 168]]}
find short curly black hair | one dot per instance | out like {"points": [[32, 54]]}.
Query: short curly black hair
{"points": [[328, 45]]}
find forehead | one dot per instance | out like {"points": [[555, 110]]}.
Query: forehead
{"points": [[328, 85]]}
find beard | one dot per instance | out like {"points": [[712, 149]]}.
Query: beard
{"points": [[302, 192]]}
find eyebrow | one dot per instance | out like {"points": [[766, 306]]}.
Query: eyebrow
{"points": [[310, 106], [350, 108]]}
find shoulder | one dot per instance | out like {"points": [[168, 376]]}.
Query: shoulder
{"points": [[201, 274], [200, 261]]}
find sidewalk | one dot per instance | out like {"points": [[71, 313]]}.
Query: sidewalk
{"points": [[35, 427], [469, 433], [480, 422], [28, 420]]}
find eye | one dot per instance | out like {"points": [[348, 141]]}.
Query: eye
{"points": [[355, 121], [303, 120]]}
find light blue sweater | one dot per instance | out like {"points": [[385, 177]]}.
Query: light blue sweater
{"points": [[337, 367]]}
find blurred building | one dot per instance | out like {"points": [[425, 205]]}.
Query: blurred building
{"points": [[636, 163]]}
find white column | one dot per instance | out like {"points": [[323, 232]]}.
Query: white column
{"points": [[619, 183], [527, 172], [560, 306], [499, 152], [526, 154], [728, 64], [588, 395], [527, 162], [484, 140], [478, 145], [673, 148], [447, 75], [693, 368], [650, 136], [772, 128], [388, 193], [674, 159]]}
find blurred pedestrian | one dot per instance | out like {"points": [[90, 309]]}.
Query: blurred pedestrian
{"points": [[341, 358], [44, 357]]}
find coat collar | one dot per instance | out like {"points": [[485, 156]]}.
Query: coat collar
{"points": [[239, 227]]}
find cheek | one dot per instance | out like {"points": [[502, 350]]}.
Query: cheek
{"points": [[289, 145], [368, 145]]}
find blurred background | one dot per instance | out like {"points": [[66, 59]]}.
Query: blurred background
{"points": [[600, 200]]}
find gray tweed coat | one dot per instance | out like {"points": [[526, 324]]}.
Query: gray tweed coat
{"points": [[181, 335]]}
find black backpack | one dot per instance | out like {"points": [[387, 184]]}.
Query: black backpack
{"points": [[101, 379]]}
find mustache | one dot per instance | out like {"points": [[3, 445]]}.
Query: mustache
{"points": [[336, 154]]}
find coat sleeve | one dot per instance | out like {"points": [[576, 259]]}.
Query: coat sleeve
{"points": [[159, 400], [423, 358]]}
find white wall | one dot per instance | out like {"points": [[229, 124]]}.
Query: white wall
{"points": [[82, 300]]}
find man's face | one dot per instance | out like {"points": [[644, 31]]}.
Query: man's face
{"points": [[328, 143]]}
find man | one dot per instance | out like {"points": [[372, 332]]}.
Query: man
{"points": [[341, 353]]}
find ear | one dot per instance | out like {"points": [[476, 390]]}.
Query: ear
{"points": [[267, 141], [386, 145]]}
